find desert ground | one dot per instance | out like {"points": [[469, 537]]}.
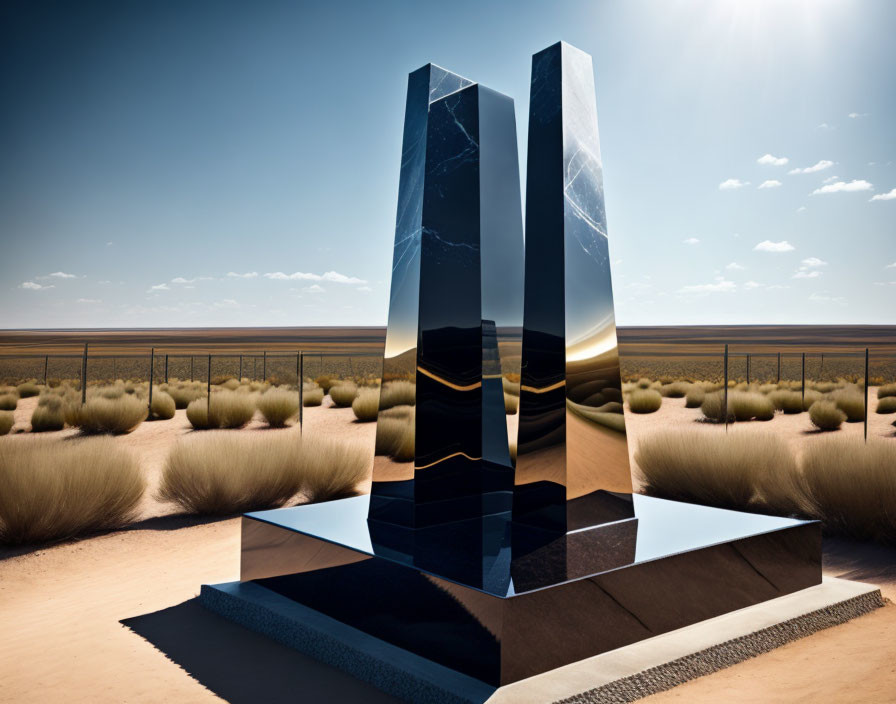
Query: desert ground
{"points": [[113, 618]]}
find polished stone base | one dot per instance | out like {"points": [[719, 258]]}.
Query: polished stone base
{"points": [[623, 675], [498, 603]]}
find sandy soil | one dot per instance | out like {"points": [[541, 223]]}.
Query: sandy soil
{"points": [[113, 618]]}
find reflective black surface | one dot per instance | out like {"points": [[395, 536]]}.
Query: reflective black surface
{"points": [[501, 603], [458, 255], [572, 449]]}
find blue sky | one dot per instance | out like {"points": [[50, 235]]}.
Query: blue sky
{"points": [[212, 163]]}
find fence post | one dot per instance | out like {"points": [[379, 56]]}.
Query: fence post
{"points": [[866, 394], [779, 367], [152, 367], [254, 368], [46, 364], [301, 375], [264, 366], [821, 372], [803, 382], [748, 368], [166, 368], [84, 376], [725, 405]]}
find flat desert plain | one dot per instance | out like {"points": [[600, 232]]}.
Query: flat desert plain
{"points": [[113, 618]]}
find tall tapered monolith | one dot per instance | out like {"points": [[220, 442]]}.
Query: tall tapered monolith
{"points": [[572, 464]]}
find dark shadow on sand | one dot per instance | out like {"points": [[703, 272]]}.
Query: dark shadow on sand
{"points": [[241, 666]]}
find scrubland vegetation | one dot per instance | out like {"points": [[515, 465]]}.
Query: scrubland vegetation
{"points": [[847, 484], [52, 491], [223, 475], [7, 420], [395, 433], [225, 409], [278, 406], [366, 405]]}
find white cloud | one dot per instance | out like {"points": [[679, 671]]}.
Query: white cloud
{"points": [[769, 246], [770, 160], [720, 285], [807, 274], [364, 288], [88, 300], [182, 280], [734, 266], [160, 287], [830, 178], [109, 244], [856, 115], [820, 166], [332, 276], [771, 183], [885, 196], [33, 286], [801, 209], [825, 298], [825, 126], [843, 187], [752, 284], [890, 266], [62, 275], [247, 275], [691, 240], [732, 184], [314, 288], [813, 261]]}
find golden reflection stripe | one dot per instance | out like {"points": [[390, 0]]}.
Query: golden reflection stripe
{"points": [[536, 390], [447, 383], [454, 454]]}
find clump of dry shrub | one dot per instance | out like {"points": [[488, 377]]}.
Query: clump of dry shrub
{"points": [[366, 405], [226, 474], [278, 406], [677, 389], [853, 486], [9, 402], [887, 404], [787, 401], [312, 397], [7, 420], [229, 409], [48, 416], [886, 390], [403, 393], [694, 397], [852, 403], [395, 429], [28, 389], [644, 401], [343, 394], [163, 406], [222, 475], [714, 408], [53, 491], [826, 416], [103, 415]]}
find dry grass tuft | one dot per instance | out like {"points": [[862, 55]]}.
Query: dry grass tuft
{"points": [[887, 404], [677, 389], [229, 409], [398, 393], [713, 407], [853, 485], [886, 390], [332, 469], [48, 416], [7, 420], [810, 398], [277, 406], [644, 401], [8, 402], [163, 406], [826, 416], [53, 491], [395, 433], [103, 415], [694, 397], [852, 403], [184, 395], [28, 389], [787, 401], [227, 474], [366, 405], [312, 397], [343, 394], [750, 405]]}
